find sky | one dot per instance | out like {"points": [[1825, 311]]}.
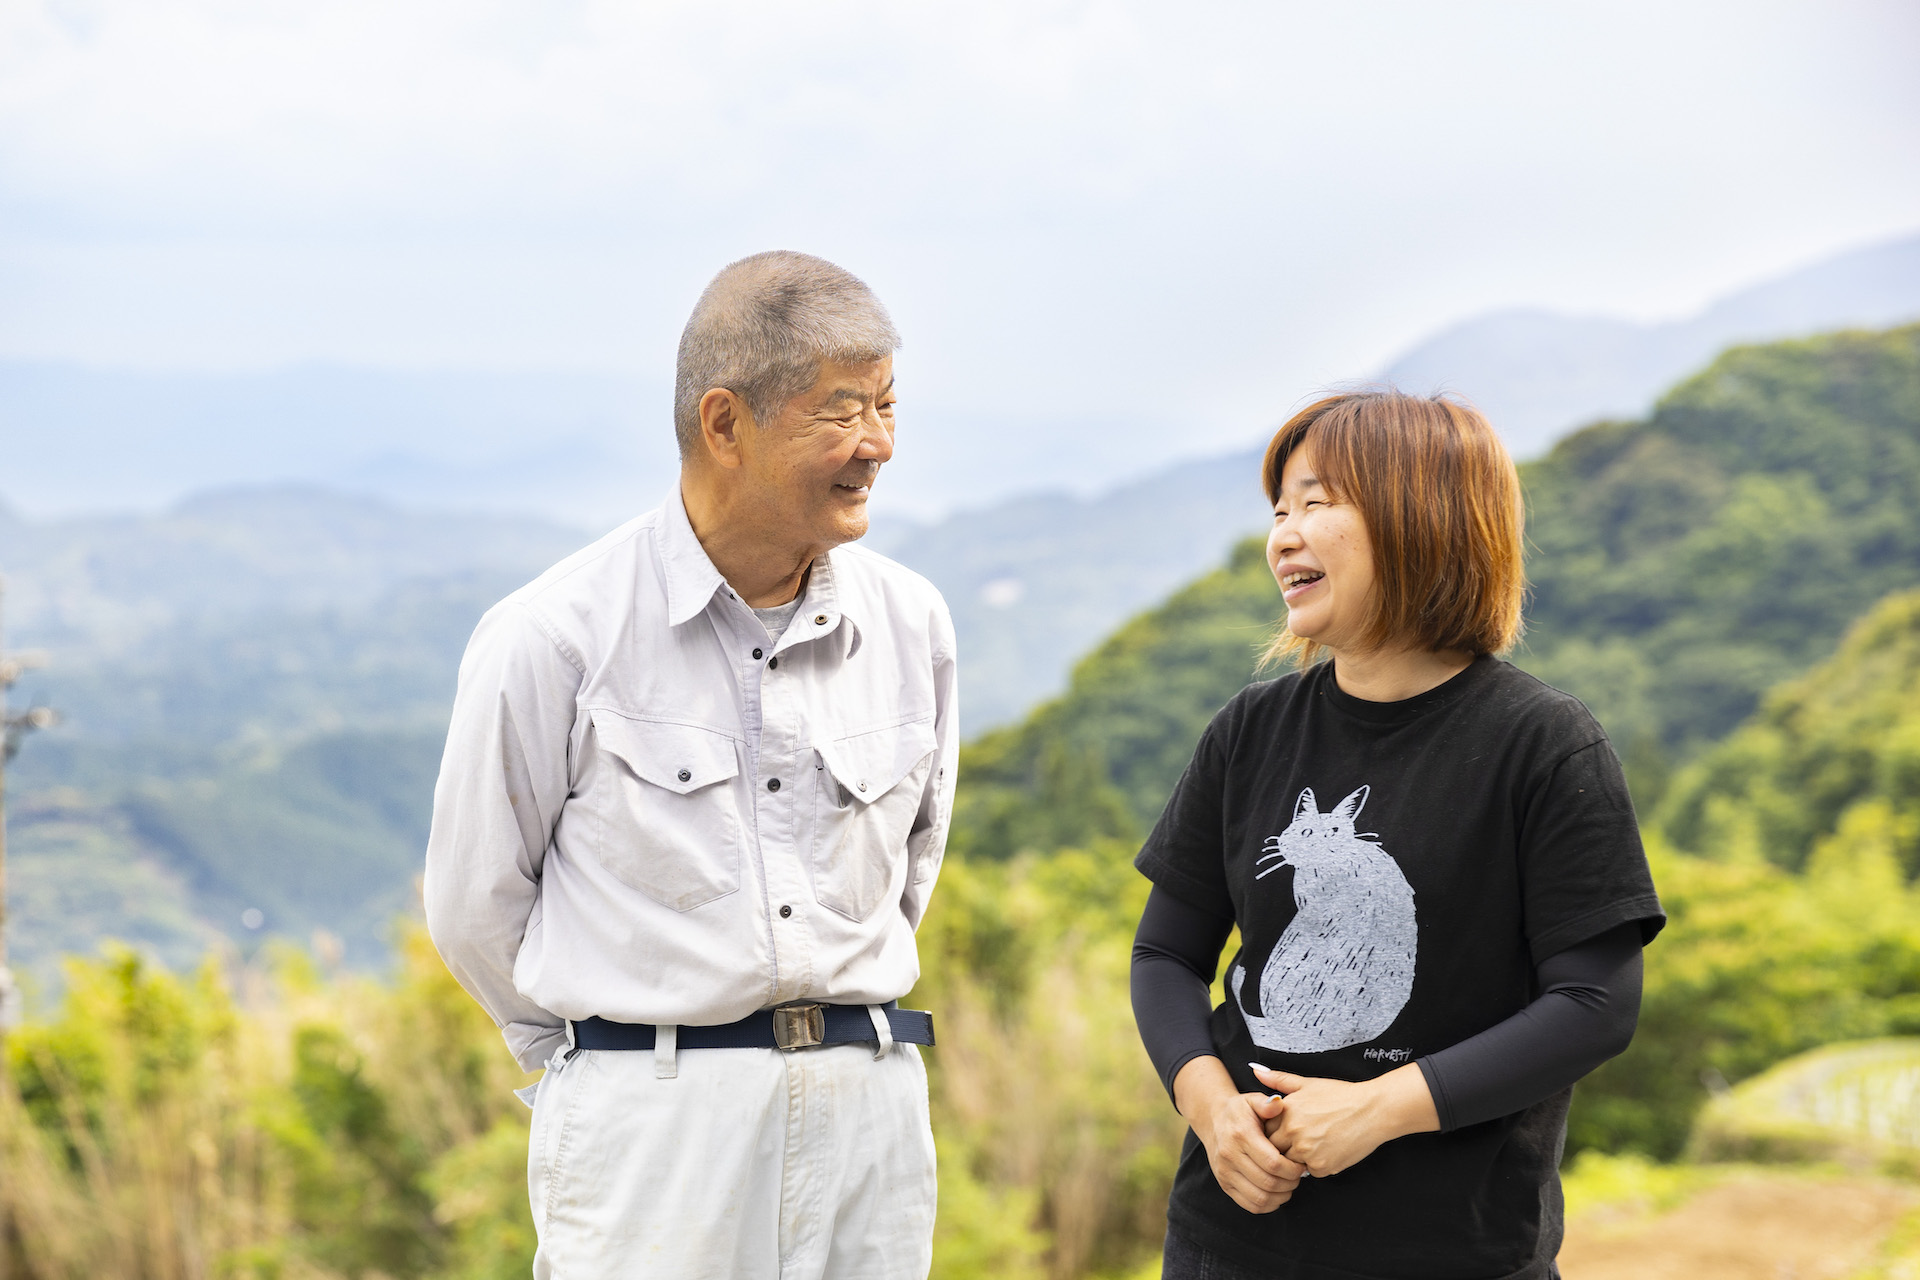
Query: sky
{"points": [[1111, 233]]}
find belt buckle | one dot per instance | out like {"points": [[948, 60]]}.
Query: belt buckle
{"points": [[799, 1026]]}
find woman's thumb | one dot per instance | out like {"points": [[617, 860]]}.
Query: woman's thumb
{"points": [[1280, 1081]]}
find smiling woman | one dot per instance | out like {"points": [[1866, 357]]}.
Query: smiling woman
{"points": [[1423, 489], [1425, 993]]}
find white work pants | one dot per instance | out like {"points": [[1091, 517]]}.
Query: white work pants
{"points": [[743, 1163]]}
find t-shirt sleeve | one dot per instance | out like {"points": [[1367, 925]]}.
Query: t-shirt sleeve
{"points": [[1583, 869], [1185, 854]]}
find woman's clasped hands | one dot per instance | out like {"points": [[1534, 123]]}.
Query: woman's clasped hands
{"points": [[1260, 1145], [1327, 1126]]}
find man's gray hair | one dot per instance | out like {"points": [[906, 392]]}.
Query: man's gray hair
{"points": [[764, 327]]}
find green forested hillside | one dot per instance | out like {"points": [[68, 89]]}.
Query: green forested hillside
{"points": [[1682, 565], [1844, 737], [1794, 915], [1100, 760]]}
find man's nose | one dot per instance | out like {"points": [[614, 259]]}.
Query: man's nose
{"points": [[876, 442]]}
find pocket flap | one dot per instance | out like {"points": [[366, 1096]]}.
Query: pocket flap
{"points": [[679, 757], [868, 765]]}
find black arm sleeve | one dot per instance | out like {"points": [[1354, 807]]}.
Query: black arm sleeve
{"points": [[1175, 953], [1585, 1013]]}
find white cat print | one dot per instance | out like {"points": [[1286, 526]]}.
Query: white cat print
{"points": [[1343, 969]]}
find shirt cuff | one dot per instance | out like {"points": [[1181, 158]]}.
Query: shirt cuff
{"points": [[532, 1043]]}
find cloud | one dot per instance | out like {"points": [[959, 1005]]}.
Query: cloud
{"points": [[1108, 228]]}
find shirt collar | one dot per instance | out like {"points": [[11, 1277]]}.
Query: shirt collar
{"points": [[692, 580], [690, 576], [822, 609]]}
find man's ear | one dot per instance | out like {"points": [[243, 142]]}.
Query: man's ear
{"points": [[724, 418]]}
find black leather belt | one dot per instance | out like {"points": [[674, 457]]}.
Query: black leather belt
{"points": [[790, 1026]]}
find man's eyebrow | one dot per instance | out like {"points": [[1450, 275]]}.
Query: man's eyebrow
{"points": [[855, 393]]}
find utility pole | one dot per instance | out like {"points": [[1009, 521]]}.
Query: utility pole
{"points": [[13, 731]]}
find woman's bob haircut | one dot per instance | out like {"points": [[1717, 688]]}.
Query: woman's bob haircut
{"points": [[1441, 501]]}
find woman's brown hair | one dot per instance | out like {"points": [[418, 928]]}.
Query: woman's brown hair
{"points": [[1441, 501]]}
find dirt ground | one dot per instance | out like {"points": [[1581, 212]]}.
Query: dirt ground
{"points": [[1760, 1227]]}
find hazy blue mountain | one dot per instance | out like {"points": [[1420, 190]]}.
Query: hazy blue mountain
{"points": [[106, 584], [591, 449], [1539, 375], [588, 448], [1033, 582]]}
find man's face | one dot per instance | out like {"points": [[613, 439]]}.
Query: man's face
{"points": [[813, 466]]}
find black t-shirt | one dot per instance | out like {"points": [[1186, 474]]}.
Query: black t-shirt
{"points": [[1397, 871]]}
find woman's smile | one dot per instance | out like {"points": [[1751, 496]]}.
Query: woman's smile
{"points": [[1296, 582]]}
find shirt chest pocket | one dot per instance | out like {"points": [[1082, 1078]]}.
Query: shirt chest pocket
{"points": [[669, 823], [870, 788]]}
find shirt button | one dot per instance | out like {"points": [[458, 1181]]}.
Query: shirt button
{"points": [[819, 619], [756, 654], [686, 775], [863, 783], [785, 912], [772, 663], [773, 784]]}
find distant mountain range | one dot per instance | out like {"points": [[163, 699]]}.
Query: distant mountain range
{"points": [[589, 449], [1035, 581], [1538, 375]]}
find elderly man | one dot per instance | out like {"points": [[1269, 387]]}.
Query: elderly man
{"points": [[694, 798]]}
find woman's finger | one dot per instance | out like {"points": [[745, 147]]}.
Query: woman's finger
{"points": [[1282, 1081]]}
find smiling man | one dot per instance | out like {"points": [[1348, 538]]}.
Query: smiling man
{"points": [[694, 799]]}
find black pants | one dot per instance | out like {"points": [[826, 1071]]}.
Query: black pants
{"points": [[1184, 1260]]}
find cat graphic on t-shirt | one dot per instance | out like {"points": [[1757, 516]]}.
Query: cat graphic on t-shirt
{"points": [[1343, 969]]}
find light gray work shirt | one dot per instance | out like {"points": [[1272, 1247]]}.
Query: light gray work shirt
{"points": [[650, 811]]}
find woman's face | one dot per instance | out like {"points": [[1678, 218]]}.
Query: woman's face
{"points": [[1321, 557]]}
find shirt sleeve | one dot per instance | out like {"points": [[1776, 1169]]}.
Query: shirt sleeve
{"points": [[1184, 853], [503, 779], [1176, 953], [1583, 869], [1585, 1013], [927, 840]]}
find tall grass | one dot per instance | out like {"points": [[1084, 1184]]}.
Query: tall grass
{"points": [[265, 1122], [1052, 1120], [278, 1121]]}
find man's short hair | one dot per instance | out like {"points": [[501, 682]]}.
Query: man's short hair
{"points": [[764, 327], [1442, 505]]}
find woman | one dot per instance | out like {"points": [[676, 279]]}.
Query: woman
{"points": [[1436, 874]]}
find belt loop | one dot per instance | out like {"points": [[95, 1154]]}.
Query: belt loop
{"points": [[885, 1030], [666, 1061]]}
